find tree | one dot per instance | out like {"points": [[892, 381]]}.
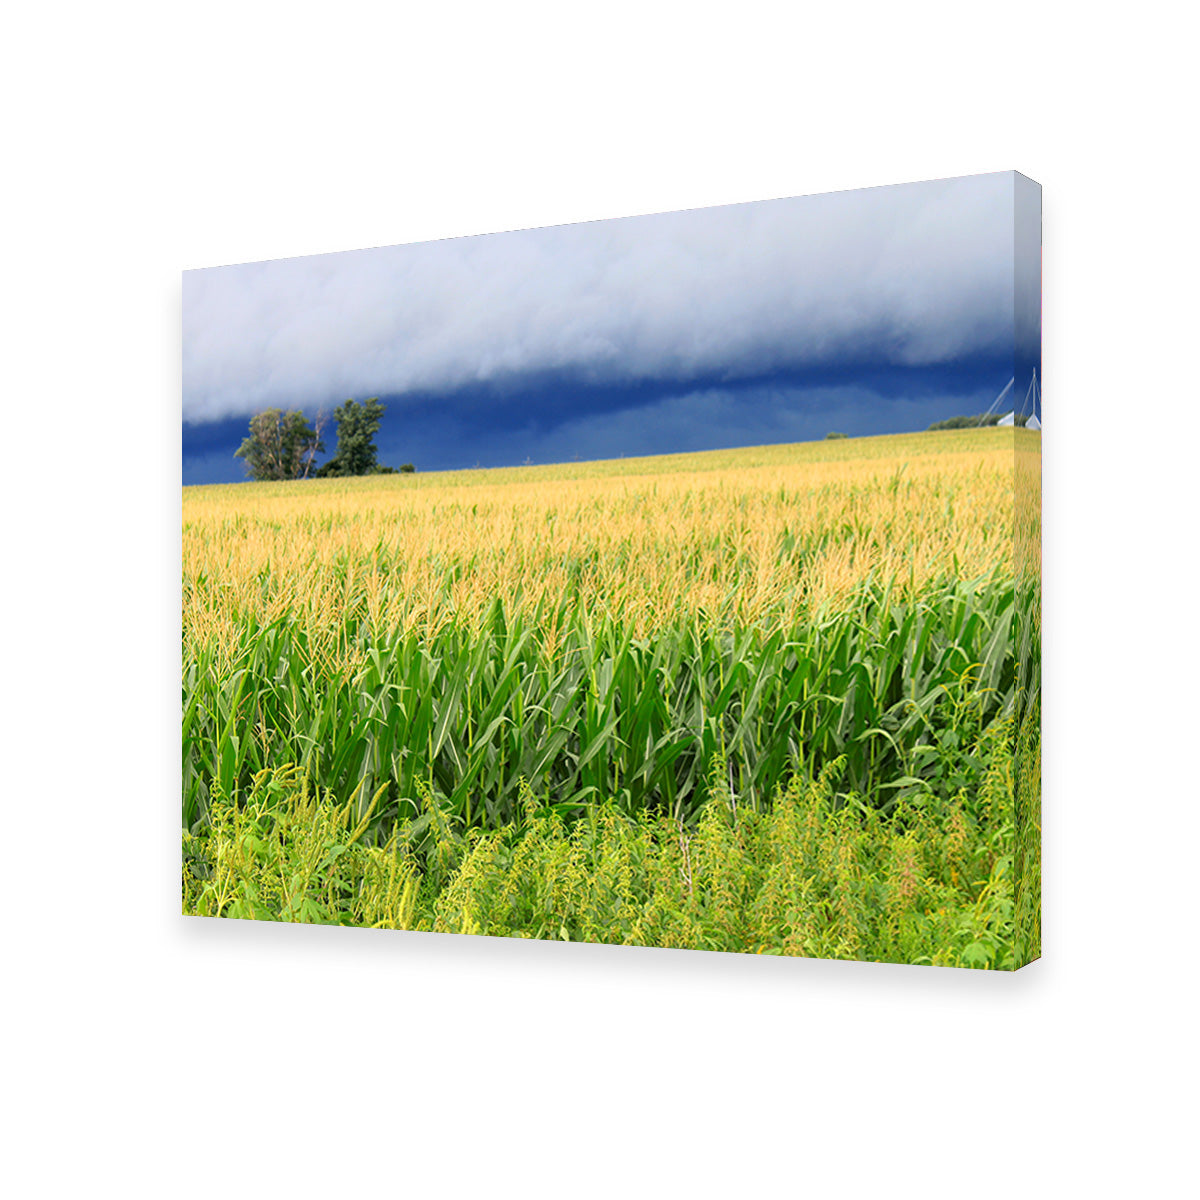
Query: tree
{"points": [[357, 425], [281, 445]]}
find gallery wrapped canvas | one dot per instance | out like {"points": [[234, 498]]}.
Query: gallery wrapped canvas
{"points": [[667, 581]]}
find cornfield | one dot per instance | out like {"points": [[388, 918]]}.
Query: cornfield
{"points": [[470, 671]]}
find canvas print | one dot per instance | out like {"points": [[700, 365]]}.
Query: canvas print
{"points": [[668, 581]]}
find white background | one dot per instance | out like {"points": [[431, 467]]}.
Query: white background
{"points": [[146, 1055]]}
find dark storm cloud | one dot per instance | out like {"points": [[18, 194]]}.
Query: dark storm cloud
{"points": [[476, 427], [688, 302]]}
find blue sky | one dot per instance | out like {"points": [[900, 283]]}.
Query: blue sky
{"points": [[870, 311]]}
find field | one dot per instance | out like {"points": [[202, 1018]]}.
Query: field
{"points": [[778, 700]]}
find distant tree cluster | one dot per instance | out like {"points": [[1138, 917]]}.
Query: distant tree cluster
{"points": [[283, 445], [972, 422], [833, 437]]}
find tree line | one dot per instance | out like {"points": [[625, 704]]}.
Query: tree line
{"points": [[285, 445], [983, 419]]}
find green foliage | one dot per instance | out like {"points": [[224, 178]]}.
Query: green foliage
{"points": [[283, 856], [814, 873], [1027, 837], [833, 437], [280, 446], [357, 425], [965, 422], [897, 690], [976, 422]]}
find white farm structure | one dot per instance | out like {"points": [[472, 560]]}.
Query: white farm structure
{"points": [[1032, 402]]}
